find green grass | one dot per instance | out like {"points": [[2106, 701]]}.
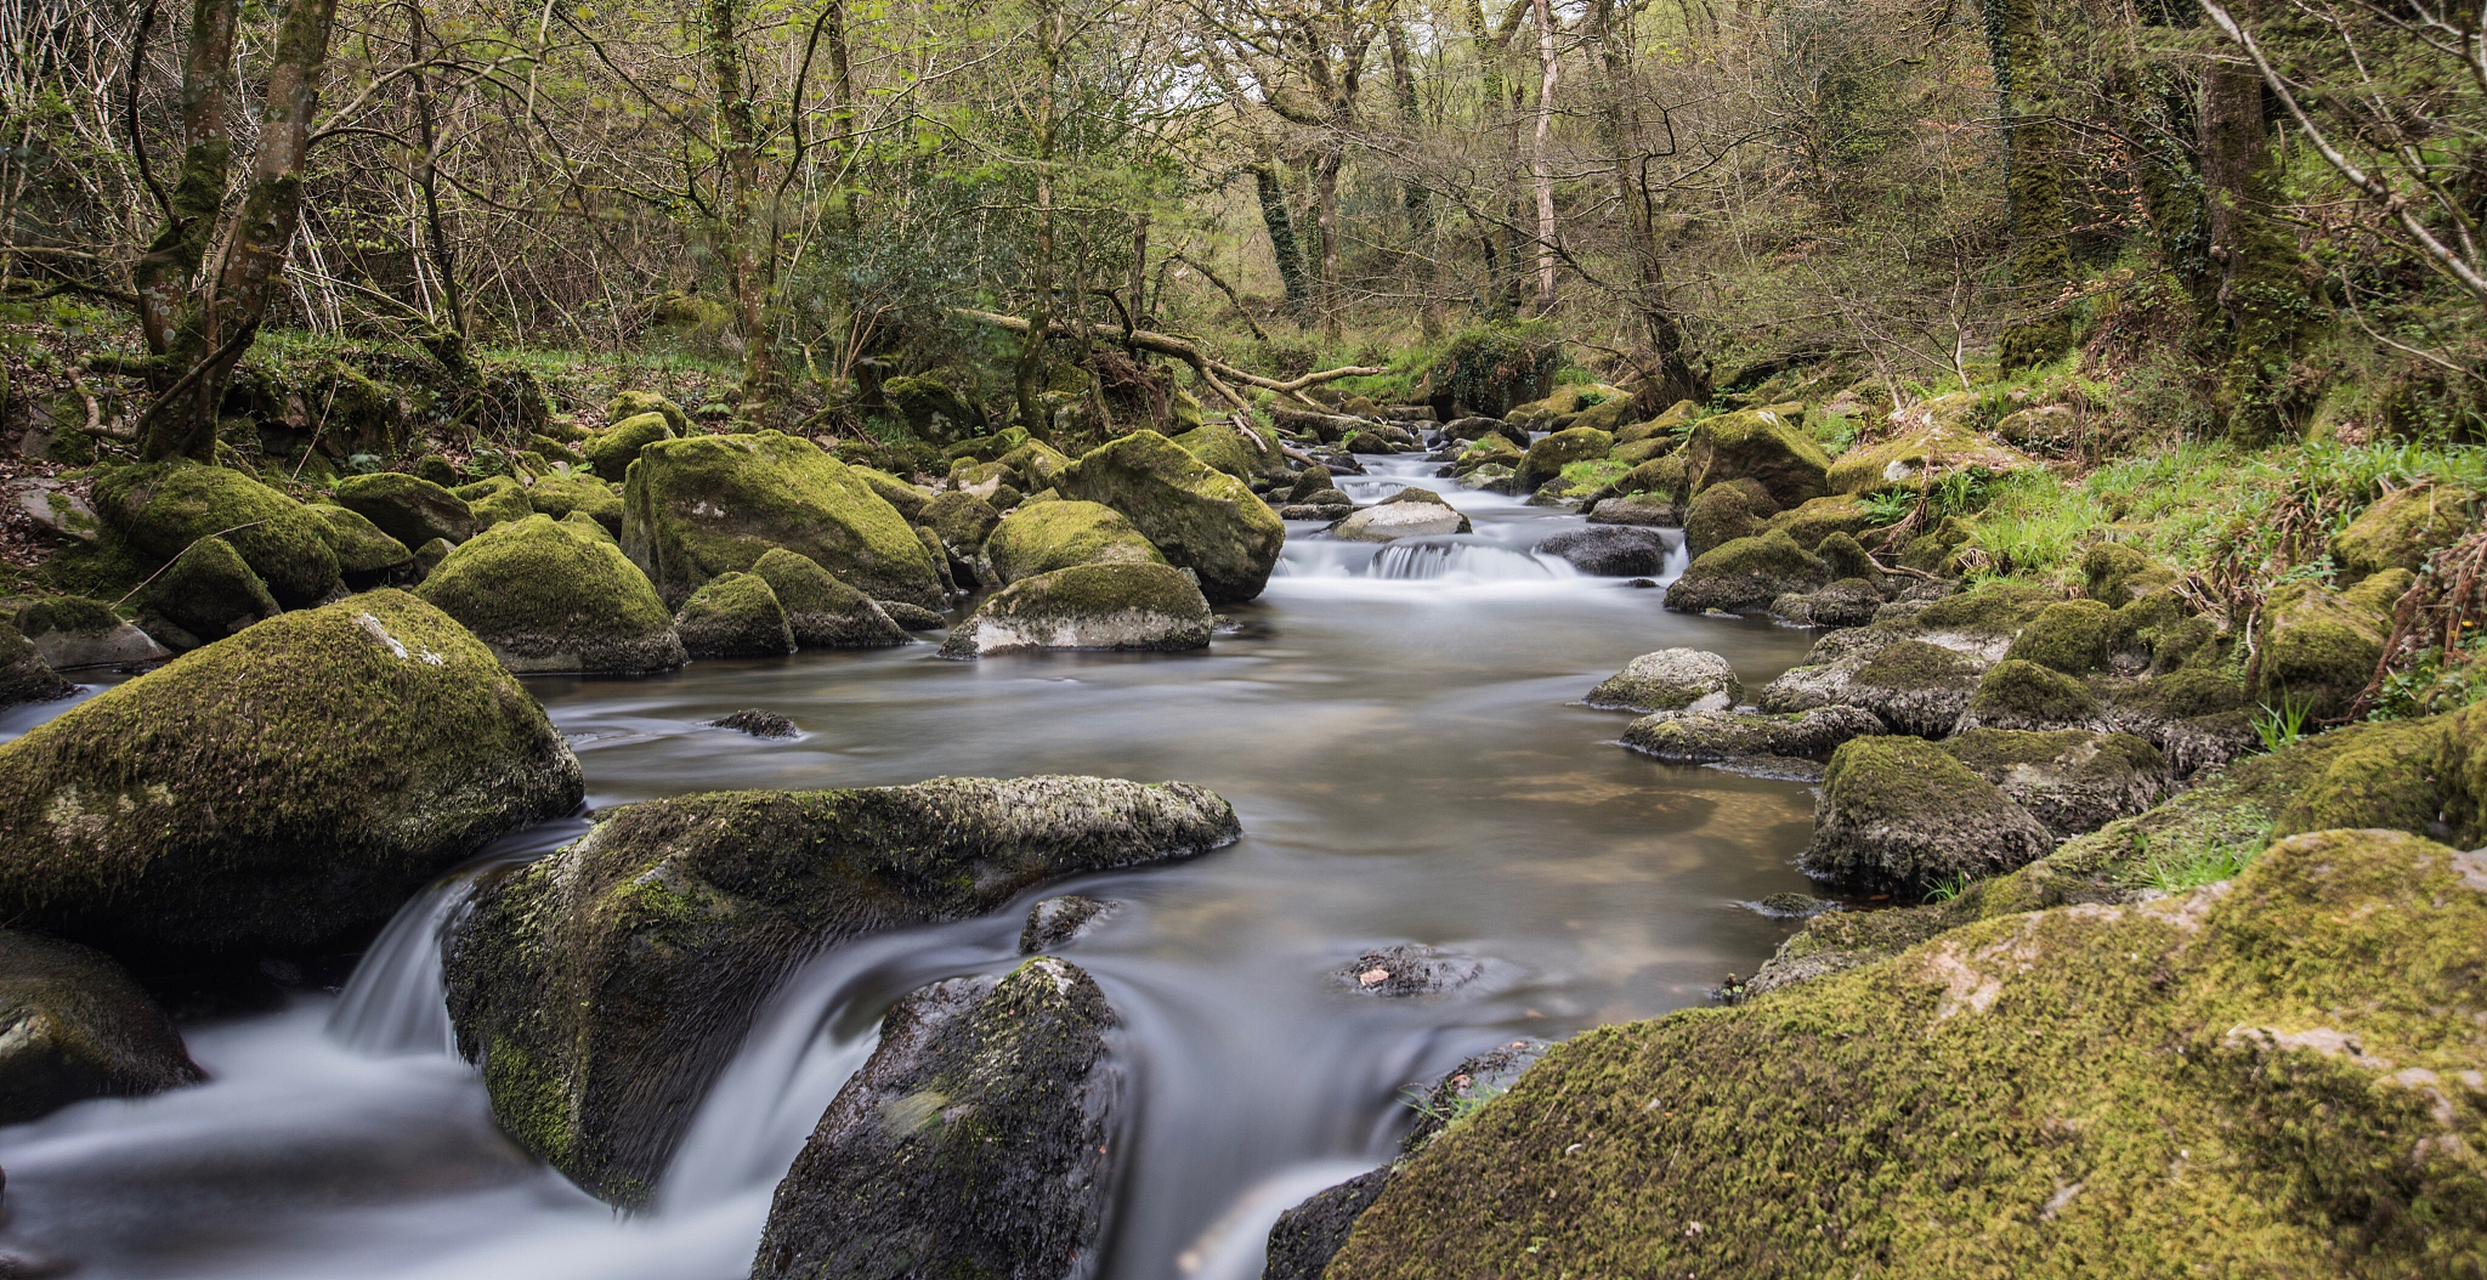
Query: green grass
{"points": [[1462, 1105], [2193, 868], [2280, 726], [1948, 888]]}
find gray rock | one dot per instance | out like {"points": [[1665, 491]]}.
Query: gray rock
{"points": [[1476, 1081], [1849, 602], [70, 632], [1794, 906], [1615, 551], [2072, 782], [1407, 970], [1388, 521], [1058, 922], [977, 1141], [1668, 680], [74, 1025], [1691, 737], [24, 675], [757, 723], [55, 506], [1091, 606]]}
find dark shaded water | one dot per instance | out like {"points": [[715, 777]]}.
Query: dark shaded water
{"points": [[1409, 766]]}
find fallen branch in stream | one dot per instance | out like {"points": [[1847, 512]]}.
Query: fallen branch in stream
{"points": [[1217, 373]]}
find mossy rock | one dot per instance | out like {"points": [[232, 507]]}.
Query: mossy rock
{"points": [[1491, 368], [1058, 535], [1913, 459], [2117, 575], [1984, 618], [1819, 518], [604, 987], [205, 594], [1670, 422], [1612, 413], [1722, 514], [1548, 455], [1555, 410], [1224, 448], [626, 405], [1768, 445], [163, 507], [942, 565], [1034, 465], [1669, 680], [558, 495], [822, 612], [961, 520], [438, 470], [1491, 451], [366, 556], [2402, 529], [1847, 559], [707, 505], [907, 499], [1916, 687], [932, 410], [287, 787], [1093, 606], [2073, 782], [1899, 813], [546, 595], [2315, 648], [495, 500], [429, 557], [2019, 694], [109, 566], [1197, 518], [613, 449], [408, 508], [1746, 573], [69, 632], [2070, 636], [74, 1025], [1694, 736], [1013, 1178], [24, 675], [2028, 1083], [734, 615]]}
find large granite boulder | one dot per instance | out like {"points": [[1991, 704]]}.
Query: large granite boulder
{"points": [[1045, 536], [1197, 517], [548, 595], [161, 508], [1093, 606]]}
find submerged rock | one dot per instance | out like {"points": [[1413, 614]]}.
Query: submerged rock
{"points": [[1408, 969], [603, 987], [1197, 517], [1059, 922], [1097, 606], [287, 787], [1899, 813], [549, 596], [1669, 680], [980, 1140], [1690, 737], [1613, 551], [757, 723], [734, 615], [73, 1025], [822, 612]]}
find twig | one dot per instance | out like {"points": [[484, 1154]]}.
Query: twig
{"points": [[142, 585]]}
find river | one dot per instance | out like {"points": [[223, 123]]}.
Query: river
{"points": [[1404, 744]]}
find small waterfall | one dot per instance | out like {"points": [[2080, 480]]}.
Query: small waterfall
{"points": [[395, 1003], [1455, 556]]}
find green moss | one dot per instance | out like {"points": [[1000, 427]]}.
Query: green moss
{"points": [[559, 495], [931, 409], [363, 551], [495, 500], [2402, 529], [208, 593], [2117, 575], [1768, 445], [1672, 421], [1899, 812], [1035, 464], [284, 787], [163, 507], [2315, 648], [408, 508], [906, 498], [1913, 664], [1197, 518], [626, 405], [1057, 535], [734, 615], [1912, 459], [707, 505], [1810, 523], [1222, 448], [1489, 450], [1547, 456], [961, 521], [2070, 636], [1091, 606], [1722, 514], [1992, 610], [75, 615], [1628, 455], [107, 566], [613, 449], [550, 597], [822, 612], [1746, 573], [2019, 694], [1847, 558]]}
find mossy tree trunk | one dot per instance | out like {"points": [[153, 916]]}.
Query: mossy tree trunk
{"points": [[1283, 244], [1415, 197], [1029, 380], [2263, 292], [2041, 260], [1673, 376], [216, 322], [748, 231]]}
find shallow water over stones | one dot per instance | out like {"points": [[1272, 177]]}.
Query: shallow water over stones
{"points": [[1412, 767]]}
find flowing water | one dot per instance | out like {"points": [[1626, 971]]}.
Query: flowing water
{"points": [[1399, 729]]}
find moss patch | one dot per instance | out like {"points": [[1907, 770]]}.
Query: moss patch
{"points": [[163, 507], [1197, 518], [548, 596]]}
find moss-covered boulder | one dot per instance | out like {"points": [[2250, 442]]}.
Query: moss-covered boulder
{"points": [[2315, 648], [495, 500], [734, 615], [1915, 687], [1094, 606], [561, 493], [962, 521], [906, 498], [603, 987], [1548, 455], [2019, 694], [1057, 535], [546, 595], [1983, 620], [611, 451], [707, 505], [1722, 514], [70, 632], [73, 1025], [2266, 1078], [24, 675], [1197, 518], [626, 405], [822, 612], [287, 787], [2070, 636], [1766, 445], [932, 410], [1225, 448], [1747, 573], [408, 508], [978, 1140], [1493, 450], [1810, 523], [2116, 575], [204, 595], [2073, 782], [1690, 737], [2402, 529], [366, 556], [163, 507], [1669, 680], [1912, 459], [1899, 813]]}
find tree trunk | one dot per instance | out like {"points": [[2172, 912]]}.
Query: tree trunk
{"points": [[220, 322], [169, 272], [2262, 292], [1414, 197], [1325, 196], [1030, 379], [1541, 165], [1673, 378], [1283, 244], [2041, 261], [753, 262]]}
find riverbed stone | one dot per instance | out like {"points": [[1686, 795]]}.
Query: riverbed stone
{"points": [[822, 612], [1768, 445], [24, 675], [1055, 923], [74, 1025], [1899, 813], [163, 507], [1692, 737], [734, 615], [1915, 687], [70, 632], [603, 987], [1388, 521], [979, 1140], [548, 596], [1668, 680], [2315, 648], [1647, 509], [366, 556], [698, 507], [1548, 455], [1196, 517], [408, 508], [1613, 551], [286, 787], [757, 722], [204, 595], [1406, 969], [611, 451], [2022, 695], [1094, 606], [1747, 573], [1848, 602], [2073, 782], [2312, 1020], [1058, 535]]}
